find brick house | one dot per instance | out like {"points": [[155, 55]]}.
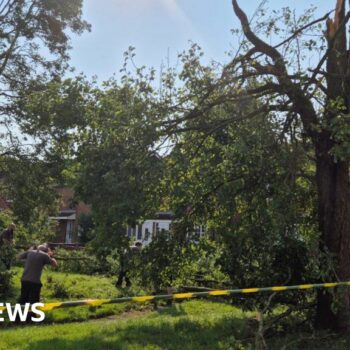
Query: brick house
{"points": [[68, 216]]}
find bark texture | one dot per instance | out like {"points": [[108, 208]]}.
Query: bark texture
{"points": [[332, 173]]}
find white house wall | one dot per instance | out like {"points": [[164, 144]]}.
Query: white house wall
{"points": [[151, 227]]}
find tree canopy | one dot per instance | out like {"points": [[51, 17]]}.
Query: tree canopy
{"points": [[257, 149]]}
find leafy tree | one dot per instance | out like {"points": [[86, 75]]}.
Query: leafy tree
{"points": [[103, 136], [86, 226], [310, 100], [31, 195], [252, 191], [317, 98], [117, 163], [166, 262], [34, 45], [7, 251], [126, 124]]}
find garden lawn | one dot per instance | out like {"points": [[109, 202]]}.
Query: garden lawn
{"points": [[196, 324], [59, 286], [189, 325]]}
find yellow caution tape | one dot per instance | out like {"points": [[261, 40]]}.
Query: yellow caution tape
{"points": [[145, 298]]}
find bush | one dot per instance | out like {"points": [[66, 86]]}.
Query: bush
{"points": [[113, 262], [86, 226], [77, 261], [7, 256], [59, 290], [166, 262]]}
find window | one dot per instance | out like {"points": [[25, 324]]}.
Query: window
{"points": [[155, 228], [139, 231], [147, 234], [69, 232]]}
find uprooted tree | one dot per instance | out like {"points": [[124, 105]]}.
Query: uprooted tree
{"points": [[317, 101]]}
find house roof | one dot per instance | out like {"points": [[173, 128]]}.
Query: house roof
{"points": [[68, 214], [164, 215]]}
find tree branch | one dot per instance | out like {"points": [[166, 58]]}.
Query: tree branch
{"points": [[301, 102]]}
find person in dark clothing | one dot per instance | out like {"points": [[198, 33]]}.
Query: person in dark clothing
{"points": [[125, 262], [6, 245], [35, 260], [7, 236]]}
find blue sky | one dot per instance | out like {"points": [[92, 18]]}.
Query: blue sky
{"points": [[160, 28]]}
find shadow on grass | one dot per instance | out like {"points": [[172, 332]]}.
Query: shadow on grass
{"points": [[173, 310], [183, 334]]}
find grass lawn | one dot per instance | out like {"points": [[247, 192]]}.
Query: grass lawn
{"points": [[58, 286], [196, 324], [191, 325]]}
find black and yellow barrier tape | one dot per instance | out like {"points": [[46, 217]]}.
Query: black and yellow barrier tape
{"points": [[187, 295]]}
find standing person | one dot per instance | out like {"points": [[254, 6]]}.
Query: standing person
{"points": [[125, 262], [6, 243], [7, 236], [35, 259]]}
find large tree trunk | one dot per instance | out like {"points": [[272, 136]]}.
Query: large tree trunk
{"points": [[334, 223], [332, 178]]}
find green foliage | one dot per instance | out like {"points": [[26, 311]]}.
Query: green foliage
{"points": [[32, 193], [51, 110], [113, 262], [239, 178], [35, 44], [72, 286], [340, 129], [189, 326], [86, 225], [166, 262], [187, 147], [59, 290], [107, 133], [35, 38], [205, 144], [35, 41], [78, 261], [252, 192], [117, 166], [192, 325], [8, 252]]}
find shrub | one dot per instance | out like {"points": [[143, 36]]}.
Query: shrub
{"points": [[167, 262], [86, 226], [59, 290], [113, 262], [79, 261], [7, 256]]}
